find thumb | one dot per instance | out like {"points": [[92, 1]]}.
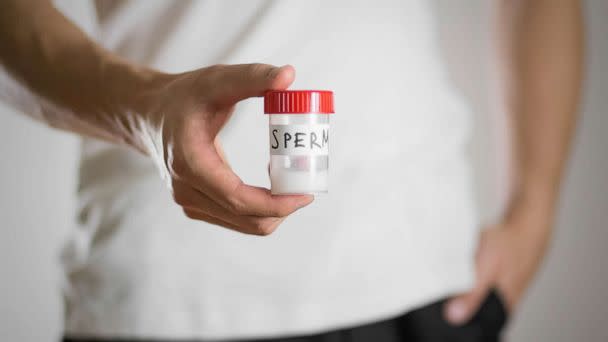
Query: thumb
{"points": [[242, 81], [460, 309]]}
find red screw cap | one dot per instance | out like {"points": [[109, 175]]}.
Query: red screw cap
{"points": [[298, 102]]}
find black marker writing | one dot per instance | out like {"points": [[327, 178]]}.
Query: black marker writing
{"points": [[275, 145], [299, 139], [313, 140]]}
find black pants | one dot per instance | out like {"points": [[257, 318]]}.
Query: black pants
{"points": [[422, 325]]}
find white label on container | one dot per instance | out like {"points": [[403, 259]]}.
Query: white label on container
{"points": [[299, 139]]}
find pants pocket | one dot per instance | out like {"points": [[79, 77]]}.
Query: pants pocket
{"points": [[492, 315]]}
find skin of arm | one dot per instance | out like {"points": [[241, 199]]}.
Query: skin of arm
{"points": [[56, 61], [173, 118], [541, 54]]}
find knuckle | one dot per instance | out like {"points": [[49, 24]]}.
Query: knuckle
{"points": [[208, 76], [234, 202], [189, 214], [264, 231], [236, 206], [215, 70], [179, 198], [265, 227], [257, 70]]}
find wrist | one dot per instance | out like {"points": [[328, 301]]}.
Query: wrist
{"points": [[533, 207], [130, 95], [128, 87]]}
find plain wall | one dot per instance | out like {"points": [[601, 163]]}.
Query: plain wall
{"points": [[567, 302]]}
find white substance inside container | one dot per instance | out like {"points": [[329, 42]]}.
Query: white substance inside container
{"points": [[298, 182]]}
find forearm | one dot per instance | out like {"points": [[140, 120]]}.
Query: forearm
{"points": [[542, 69], [90, 90]]}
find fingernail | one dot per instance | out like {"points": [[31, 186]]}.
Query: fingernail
{"points": [[456, 312], [274, 72]]}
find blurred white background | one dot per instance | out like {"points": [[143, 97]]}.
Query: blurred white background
{"points": [[567, 302]]}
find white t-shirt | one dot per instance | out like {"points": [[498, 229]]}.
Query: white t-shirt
{"points": [[396, 231]]}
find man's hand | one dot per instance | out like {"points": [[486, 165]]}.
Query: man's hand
{"points": [[182, 119], [508, 256], [175, 119], [541, 54]]}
